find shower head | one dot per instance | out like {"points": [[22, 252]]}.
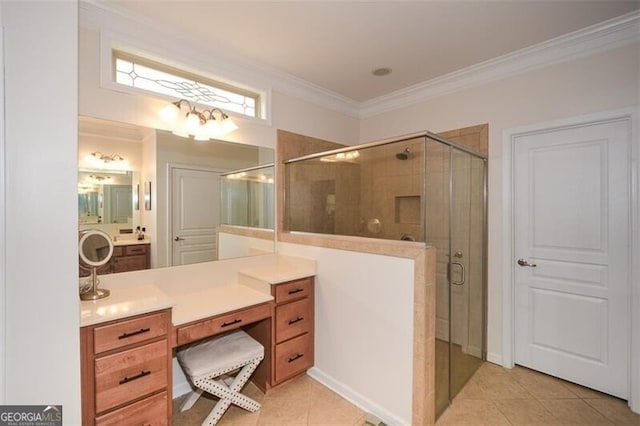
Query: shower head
{"points": [[404, 155]]}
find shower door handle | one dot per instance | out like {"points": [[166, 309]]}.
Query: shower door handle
{"points": [[462, 275]]}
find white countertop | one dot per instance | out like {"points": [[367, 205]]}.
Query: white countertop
{"points": [[190, 297], [214, 301], [280, 272], [122, 303], [130, 241]]}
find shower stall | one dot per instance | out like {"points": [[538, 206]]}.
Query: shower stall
{"points": [[421, 188]]}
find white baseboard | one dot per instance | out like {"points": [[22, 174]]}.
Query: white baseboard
{"points": [[355, 398], [494, 358], [475, 351]]}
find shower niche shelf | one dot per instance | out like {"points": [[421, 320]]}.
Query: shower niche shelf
{"points": [[407, 209]]}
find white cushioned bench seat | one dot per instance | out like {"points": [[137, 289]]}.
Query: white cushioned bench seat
{"points": [[204, 361]]}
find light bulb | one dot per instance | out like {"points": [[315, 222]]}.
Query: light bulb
{"points": [[228, 126], [170, 113], [201, 134], [192, 124], [213, 128]]}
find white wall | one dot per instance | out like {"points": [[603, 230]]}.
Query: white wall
{"points": [[364, 328], [42, 319], [600, 82]]}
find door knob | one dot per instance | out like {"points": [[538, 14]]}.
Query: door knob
{"points": [[523, 262], [178, 239]]}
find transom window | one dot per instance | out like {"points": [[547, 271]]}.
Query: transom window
{"points": [[154, 77]]}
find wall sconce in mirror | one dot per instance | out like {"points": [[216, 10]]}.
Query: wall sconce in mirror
{"points": [[136, 197], [203, 125], [147, 195], [103, 161]]}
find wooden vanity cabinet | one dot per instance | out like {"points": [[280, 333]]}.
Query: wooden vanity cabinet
{"points": [[130, 258], [126, 258], [126, 371], [292, 348]]}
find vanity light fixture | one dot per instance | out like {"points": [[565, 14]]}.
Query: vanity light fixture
{"points": [[202, 125], [103, 161], [106, 158], [100, 180]]}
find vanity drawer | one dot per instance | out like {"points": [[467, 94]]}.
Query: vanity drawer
{"points": [[131, 374], [135, 249], [292, 319], [130, 263], [293, 357], [292, 290], [223, 323], [149, 411], [131, 331]]}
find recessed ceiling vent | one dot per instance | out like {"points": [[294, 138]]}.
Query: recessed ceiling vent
{"points": [[381, 72]]}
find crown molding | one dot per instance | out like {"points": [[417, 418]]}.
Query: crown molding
{"points": [[610, 34], [174, 45]]}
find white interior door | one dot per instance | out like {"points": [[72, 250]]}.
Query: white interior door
{"points": [[195, 215], [571, 225]]}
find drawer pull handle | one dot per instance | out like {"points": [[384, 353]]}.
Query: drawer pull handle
{"points": [[134, 333], [136, 377], [297, 290], [293, 358], [293, 321], [227, 324]]}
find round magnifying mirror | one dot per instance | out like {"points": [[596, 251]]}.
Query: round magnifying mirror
{"points": [[95, 249]]}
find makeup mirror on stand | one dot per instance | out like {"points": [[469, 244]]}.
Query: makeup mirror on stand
{"points": [[95, 249]]}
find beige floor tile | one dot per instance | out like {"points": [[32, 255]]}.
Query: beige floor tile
{"points": [[282, 411], [333, 410], [574, 411], [502, 386], [584, 392], [298, 388], [472, 390], [525, 412], [472, 412], [542, 386], [615, 410]]}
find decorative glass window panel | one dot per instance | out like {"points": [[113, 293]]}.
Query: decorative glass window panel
{"points": [[154, 77]]}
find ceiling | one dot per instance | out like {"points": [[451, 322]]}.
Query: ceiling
{"points": [[336, 44]]}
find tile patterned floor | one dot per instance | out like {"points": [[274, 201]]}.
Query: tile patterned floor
{"points": [[493, 396], [519, 396], [302, 401]]}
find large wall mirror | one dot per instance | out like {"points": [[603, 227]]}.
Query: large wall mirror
{"points": [[171, 200]]}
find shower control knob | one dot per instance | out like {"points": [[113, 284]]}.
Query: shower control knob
{"points": [[523, 262]]}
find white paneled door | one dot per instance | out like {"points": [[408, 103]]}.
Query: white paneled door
{"points": [[571, 195], [195, 215]]}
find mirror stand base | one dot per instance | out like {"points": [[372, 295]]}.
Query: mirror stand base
{"points": [[94, 294]]}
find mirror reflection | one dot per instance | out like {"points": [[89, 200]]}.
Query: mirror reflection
{"points": [[247, 197], [198, 195], [105, 197]]}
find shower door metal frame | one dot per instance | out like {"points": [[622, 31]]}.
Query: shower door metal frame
{"points": [[483, 157]]}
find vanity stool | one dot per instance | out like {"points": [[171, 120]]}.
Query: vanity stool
{"points": [[206, 361]]}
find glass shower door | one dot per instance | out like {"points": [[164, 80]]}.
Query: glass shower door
{"points": [[466, 270]]}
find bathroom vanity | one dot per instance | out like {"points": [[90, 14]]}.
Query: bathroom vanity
{"points": [[127, 339]]}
